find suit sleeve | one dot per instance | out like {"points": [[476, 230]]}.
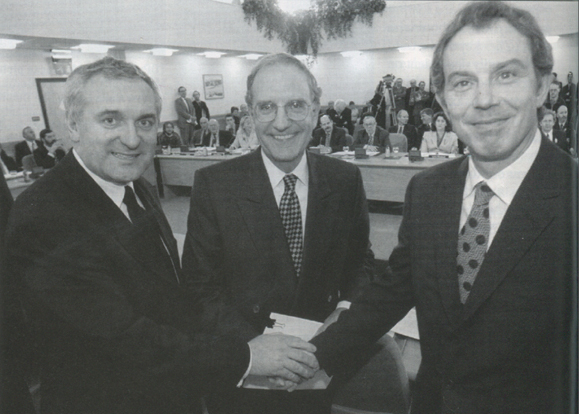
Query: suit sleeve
{"points": [[82, 285], [42, 158], [181, 110], [203, 263], [376, 308]]}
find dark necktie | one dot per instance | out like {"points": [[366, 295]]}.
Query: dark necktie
{"points": [[328, 136], [473, 240], [291, 217], [149, 229]]}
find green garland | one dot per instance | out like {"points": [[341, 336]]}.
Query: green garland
{"points": [[301, 33]]}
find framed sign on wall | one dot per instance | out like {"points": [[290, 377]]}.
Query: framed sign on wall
{"points": [[213, 86]]}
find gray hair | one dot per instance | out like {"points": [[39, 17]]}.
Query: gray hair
{"points": [[283, 59], [482, 15], [108, 67]]}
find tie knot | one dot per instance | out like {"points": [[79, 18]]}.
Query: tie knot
{"points": [[290, 181], [483, 194]]}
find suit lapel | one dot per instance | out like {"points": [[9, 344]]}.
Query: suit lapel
{"points": [[526, 218], [445, 236]]}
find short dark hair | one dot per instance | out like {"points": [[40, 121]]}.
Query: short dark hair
{"points": [[427, 111], [543, 112], [44, 132], [181, 87], [110, 68], [166, 124], [482, 15], [283, 59]]}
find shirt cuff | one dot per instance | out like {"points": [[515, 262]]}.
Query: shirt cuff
{"points": [[240, 383], [344, 304]]}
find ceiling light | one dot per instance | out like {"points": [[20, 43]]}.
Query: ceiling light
{"points": [[61, 54], [351, 53], [93, 48], [251, 56], [9, 43], [552, 39], [409, 49], [161, 51], [212, 55]]}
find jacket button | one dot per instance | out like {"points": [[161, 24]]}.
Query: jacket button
{"points": [[256, 309], [329, 298]]}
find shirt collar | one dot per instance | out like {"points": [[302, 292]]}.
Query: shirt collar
{"points": [[506, 182], [276, 175], [114, 191]]}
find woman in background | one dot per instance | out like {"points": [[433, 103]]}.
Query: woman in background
{"points": [[168, 137], [442, 138], [245, 138]]}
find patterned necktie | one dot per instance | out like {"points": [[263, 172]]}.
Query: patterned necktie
{"points": [[473, 240], [291, 217]]}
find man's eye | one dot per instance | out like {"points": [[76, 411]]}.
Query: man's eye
{"points": [[109, 121], [507, 76], [461, 85], [266, 107], [146, 123], [297, 104]]}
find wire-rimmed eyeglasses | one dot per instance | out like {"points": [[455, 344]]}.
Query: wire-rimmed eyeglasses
{"points": [[296, 110]]}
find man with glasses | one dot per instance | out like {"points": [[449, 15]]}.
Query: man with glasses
{"points": [[278, 230]]}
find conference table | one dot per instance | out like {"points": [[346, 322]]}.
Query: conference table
{"points": [[385, 179]]}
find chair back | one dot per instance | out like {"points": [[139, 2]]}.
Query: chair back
{"points": [[380, 386], [28, 162], [400, 141]]}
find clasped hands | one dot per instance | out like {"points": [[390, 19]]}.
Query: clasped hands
{"points": [[285, 360]]}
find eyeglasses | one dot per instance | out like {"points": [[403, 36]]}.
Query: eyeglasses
{"points": [[295, 110]]}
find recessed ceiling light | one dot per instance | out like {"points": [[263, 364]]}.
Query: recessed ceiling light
{"points": [[9, 43], [212, 54], [93, 48], [161, 51], [351, 53], [552, 39], [251, 56]]}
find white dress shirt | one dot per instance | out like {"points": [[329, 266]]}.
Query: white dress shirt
{"points": [[504, 184]]}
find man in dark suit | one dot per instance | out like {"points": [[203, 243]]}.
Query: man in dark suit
{"points": [[498, 340], [27, 146], [97, 269], [554, 99], [217, 137], [546, 123], [8, 163], [202, 135], [562, 123], [201, 109], [569, 94], [186, 115], [372, 137], [49, 152], [328, 137], [404, 128], [279, 230]]}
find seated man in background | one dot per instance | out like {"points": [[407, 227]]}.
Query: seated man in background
{"points": [[329, 138], [202, 135], [230, 124], [404, 128], [8, 164], [27, 146], [426, 118], [97, 270], [50, 151], [216, 137], [168, 137], [278, 230], [372, 137], [546, 123]]}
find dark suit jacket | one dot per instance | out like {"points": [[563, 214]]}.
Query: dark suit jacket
{"points": [[225, 139], [43, 159], [342, 120], [236, 248], [337, 139], [21, 150], [560, 139], [201, 137], [199, 108], [508, 348], [118, 332], [411, 135], [381, 139], [184, 112], [8, 161]]}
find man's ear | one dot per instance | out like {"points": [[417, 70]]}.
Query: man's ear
{"points": [[72, 127], [543, 89]]}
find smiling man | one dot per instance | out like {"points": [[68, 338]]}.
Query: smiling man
{"points": [[279, 230], [486, 243], [99, 274]]}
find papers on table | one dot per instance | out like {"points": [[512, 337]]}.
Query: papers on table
{"points": [[302, 328]]}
